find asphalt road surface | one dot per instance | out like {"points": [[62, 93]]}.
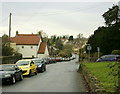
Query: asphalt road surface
{"points": [[59, 77]]}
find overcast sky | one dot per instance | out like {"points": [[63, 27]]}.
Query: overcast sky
{"points": [[54, 18]]}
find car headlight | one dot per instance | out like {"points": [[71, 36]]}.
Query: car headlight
{"points": [[40, 65], [7, 75], [26, 67]]}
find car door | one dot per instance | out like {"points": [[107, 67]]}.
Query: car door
{"points": [[32, 65], [17, 72]]}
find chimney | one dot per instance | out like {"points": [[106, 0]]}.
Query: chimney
{"points": [[40, 34], [17, 33]]}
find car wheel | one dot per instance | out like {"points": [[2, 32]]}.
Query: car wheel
{"points": [[44, 68], [36, 72], [21, 77], [30, 73], [13, 80]]}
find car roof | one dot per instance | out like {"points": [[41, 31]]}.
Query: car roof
{"points": [[112, 55], [25, 60]]}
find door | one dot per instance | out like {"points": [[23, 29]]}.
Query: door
{"points": [[32, 66], [17, 72]]}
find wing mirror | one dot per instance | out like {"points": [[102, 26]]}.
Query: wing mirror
{"points": [[16, 68]]}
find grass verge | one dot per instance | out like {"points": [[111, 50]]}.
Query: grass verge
{"points": [[105, 73]]}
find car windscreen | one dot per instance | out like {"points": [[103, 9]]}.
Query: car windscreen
{"points": [[38, 61], [7, 67], [109, 56], [22, 63], [118, 57]]}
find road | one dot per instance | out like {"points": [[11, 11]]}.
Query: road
{"points": [[59, 77]]}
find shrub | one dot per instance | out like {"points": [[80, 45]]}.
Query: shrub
{"points": [[95, 56], [116, 52]]}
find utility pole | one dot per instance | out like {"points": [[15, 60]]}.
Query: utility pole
{"points": [[9, 28], [10, 25]]}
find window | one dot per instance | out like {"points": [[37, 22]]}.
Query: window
{"points": [[31, 47], [22, 46]]}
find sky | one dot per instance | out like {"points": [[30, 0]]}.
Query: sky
{"points": [[54, 18]]}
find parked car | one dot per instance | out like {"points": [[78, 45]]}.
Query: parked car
{"points": [[41, 66], [67, 59], [73, 56], [58, 59], [53, 59], [109, 58], [10, 73], [46, 60], [28, 66]]}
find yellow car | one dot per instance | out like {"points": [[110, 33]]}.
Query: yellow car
{"points": [[28, 66]]}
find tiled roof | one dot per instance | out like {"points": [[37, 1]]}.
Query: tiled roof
{"points": [[42, 48], [26, 39]]}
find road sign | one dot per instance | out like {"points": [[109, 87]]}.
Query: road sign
{"points": [[89, 47]]}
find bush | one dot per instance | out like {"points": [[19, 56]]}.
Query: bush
{"points": [[11, 59], [65, 53], [94, 56], [83, 57], [116, 52]]}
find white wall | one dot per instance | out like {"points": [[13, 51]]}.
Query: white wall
{"points": [[27, 51]]}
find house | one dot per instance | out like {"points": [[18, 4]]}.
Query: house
{"points": [[43, 50], [29, 45]]}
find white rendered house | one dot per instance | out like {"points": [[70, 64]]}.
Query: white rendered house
{"points": [[30, 45]]}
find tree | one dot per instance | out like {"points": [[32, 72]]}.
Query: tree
{"points": [[70, 38], [6, 50], [66, 51], [111, 16], [68, 47], [107, 38], [64, 37], [54, 39], [59, 44], [80, 36], [5, 40]]}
